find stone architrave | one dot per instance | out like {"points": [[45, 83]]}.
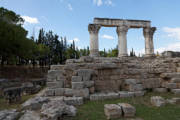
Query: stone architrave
{"points": [[149, 45], [122, 40], [94, 42]]}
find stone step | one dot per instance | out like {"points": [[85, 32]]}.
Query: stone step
{"points": [[170, 75]]}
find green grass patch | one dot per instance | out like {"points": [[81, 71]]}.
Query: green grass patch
{"points": [[94, 110], [5, 105]]}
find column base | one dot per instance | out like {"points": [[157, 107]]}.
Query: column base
{"points": [[94, 53]]}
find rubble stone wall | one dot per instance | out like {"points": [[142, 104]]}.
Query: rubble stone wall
{"points": [[111, 74]]}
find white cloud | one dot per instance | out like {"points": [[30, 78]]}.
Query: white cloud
{"points": [[107, 37], [101, 2], [109, 2], [170, 47], [172, 32], [98, 2], [75, 40], [30, 20], [70, 7]]}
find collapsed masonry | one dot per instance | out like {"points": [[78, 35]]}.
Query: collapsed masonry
{"points": [[97, 78]]}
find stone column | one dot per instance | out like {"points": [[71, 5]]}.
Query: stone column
{"points": [[94, 43], [149, 45], [122, 40]]}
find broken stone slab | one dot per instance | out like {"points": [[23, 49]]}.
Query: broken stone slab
{"points": [[35, 103], [158, 101], [125, 94], [175, 91], [104, 96], [128, 110], [112, 111], [30, 115], [76, 79], [160, 90], [9, 114], [77, 85], [56, 109], [73, 100]]}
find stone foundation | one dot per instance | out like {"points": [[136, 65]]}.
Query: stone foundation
{"points": [[89, 75]]}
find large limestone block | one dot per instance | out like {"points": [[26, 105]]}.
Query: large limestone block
{"points": [[76, 79], [128, 110], [175, 80], [57, 67], [88, 84], [85, 73], [151, 82], [157, 101], [30, 115], [68, 92], [59, 91], [130, 81], [77, 85], [112, 111], [178, 69], [57, 84], [170, 75], [35, 103], [173, 101], [104, 96], [53, 74], [171, 85], [82, 93], [73, 100], [125, 94], [176, 91], [160, 90], [54, 110], [135, 87], [49, 92], [139, 93]]}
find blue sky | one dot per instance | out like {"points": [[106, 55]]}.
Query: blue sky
{"points": [[70, 18]]}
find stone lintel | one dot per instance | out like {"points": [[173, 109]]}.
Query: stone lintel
{"points": [[106, 22]]}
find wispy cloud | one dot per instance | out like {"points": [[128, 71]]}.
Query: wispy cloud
{"points": [[172, 32], [101, 2], [70, 7], [107, 37], [75, 40], [30, 20]]}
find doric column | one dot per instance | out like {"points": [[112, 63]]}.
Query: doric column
{"points": [[94, 43], [149, 45], [122, 40]]}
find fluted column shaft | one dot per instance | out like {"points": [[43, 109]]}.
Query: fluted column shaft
{"points": [[94, 41], [149, 45], [122, 40]]}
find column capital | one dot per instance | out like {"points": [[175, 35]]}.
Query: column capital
{"points": [[94, 28], [122, 29], [149, 31]]}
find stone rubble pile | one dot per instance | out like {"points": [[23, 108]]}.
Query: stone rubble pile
{"points": [[120, 110], [9, 114]]}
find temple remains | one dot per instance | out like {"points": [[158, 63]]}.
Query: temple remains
{"points": [[122, 27]]}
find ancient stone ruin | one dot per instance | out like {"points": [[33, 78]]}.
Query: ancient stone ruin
{"points": [[97, 78]]}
